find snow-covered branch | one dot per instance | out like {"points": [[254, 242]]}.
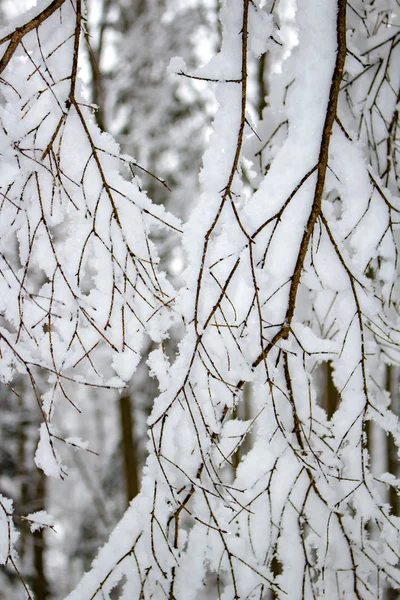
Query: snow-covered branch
{"points": [[263, 478]]}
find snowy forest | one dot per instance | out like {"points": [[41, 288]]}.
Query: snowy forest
{"points": [[199, 299]]}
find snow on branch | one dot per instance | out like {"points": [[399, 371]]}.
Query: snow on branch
{"points": [[79, 273], [262, 479], [278, 295], [78, 268]]}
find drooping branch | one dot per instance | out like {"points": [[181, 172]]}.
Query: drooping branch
{"points": [[330, 118]]}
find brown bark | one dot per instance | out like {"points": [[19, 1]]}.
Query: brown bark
{"points": [[40, 584], [331, 393], [128, 447]]}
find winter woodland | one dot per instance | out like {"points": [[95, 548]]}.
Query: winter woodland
{"points": [[199, 299]]}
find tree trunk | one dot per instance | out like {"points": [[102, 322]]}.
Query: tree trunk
{"points": [[40, 585], [129, 448]]}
